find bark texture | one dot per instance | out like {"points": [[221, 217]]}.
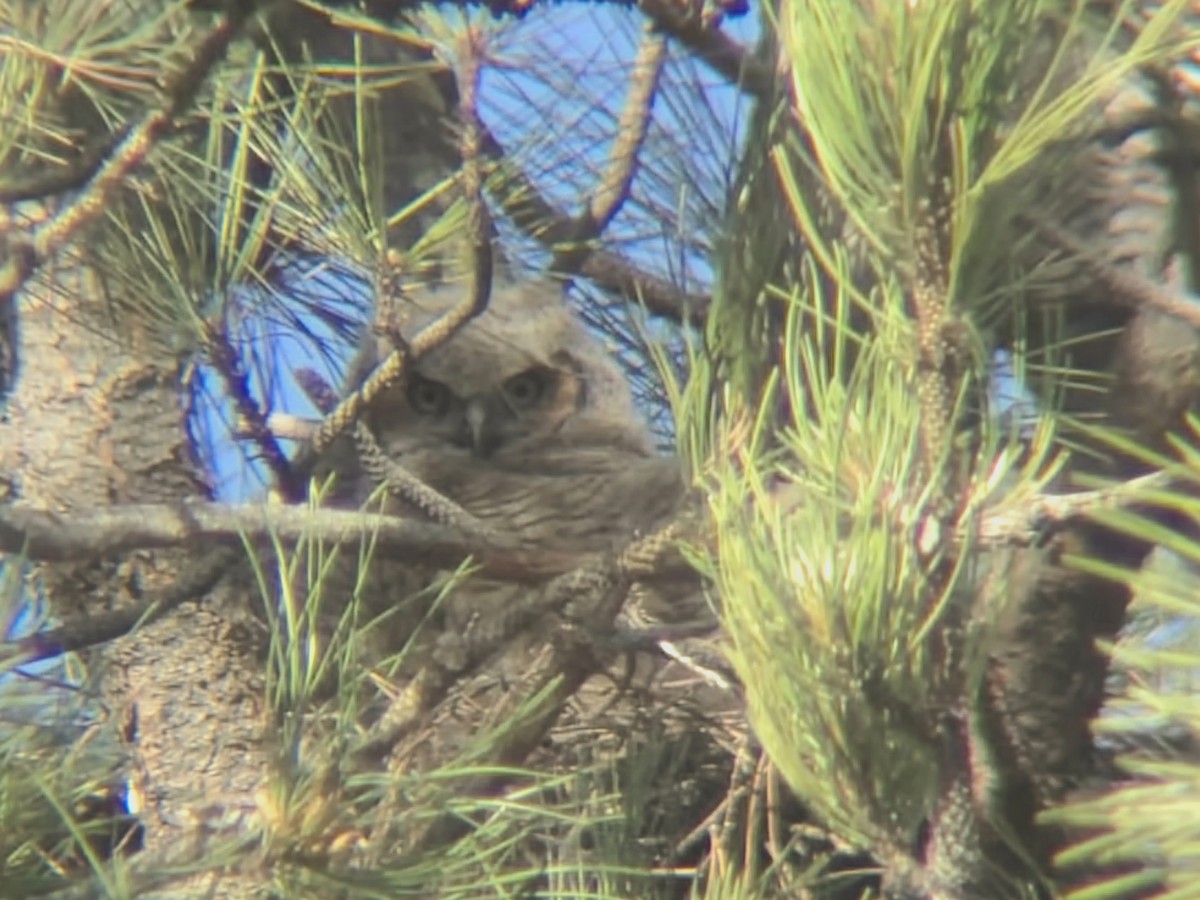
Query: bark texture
{"points": [[96, 416]]}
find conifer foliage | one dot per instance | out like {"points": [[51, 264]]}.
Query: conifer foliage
{"points": [[910, 291]]}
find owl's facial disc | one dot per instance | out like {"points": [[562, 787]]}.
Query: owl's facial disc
{"points": [[486, 422]]}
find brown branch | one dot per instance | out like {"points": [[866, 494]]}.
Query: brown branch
{"points": [[46, 536], [60, 179], [632, 127], [479, 221], [717, 50], [534, 214], [393, 370], [252, 420], [29, 253], [91, 534], [284, 426], [1128, 288]]}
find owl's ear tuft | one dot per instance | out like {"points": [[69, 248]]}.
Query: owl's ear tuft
{"points": [[569, 366]]}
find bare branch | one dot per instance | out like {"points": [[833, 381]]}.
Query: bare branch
{"points": [[719, 51], [1026, 524], [47, 536], [534, 214], [393, 370], [284, 426], [1128, 287], [634, 123], [479, 221], [252, 420]]}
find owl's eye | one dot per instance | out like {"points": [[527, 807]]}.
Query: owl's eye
{"points": [[525, 390], [429, 398]]}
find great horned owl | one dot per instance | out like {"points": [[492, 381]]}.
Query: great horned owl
{"points": [[524, 421]]}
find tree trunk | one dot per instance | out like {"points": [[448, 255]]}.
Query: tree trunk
{"points": [[96, 418]]}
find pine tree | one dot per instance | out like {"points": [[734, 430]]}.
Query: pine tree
{"points": [[823, 275]]}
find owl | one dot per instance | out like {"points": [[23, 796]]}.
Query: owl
{"points": [[524, 421]]}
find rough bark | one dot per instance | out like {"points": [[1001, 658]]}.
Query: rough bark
{"points": [[97, 417]]}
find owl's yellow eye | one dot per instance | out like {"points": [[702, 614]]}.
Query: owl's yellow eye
{"points": [[429, 398], [525, 390]]}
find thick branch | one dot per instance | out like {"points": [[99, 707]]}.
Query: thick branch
{"points": [[49, 537], [719, 51], [1127, 286]]}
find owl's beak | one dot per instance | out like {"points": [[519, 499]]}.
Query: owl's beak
{"points": [[483, 438]]}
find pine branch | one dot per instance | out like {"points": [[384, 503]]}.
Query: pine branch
{"points": [[90, 534], [26, 254], [1127, 286], [252, 420], [392, 371], [49, 537], [721, 53], [532, 212], [613, 187]]}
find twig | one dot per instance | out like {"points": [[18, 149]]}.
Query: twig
{"points": [[539, 218], [284, 426], [252, 419], [716, 822], [634, 123], [1026, 524], [479, 221], [393, 370], [28, 253], [60, 179]]}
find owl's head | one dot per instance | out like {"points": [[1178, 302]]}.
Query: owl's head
{"points": [[524, 386]]}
